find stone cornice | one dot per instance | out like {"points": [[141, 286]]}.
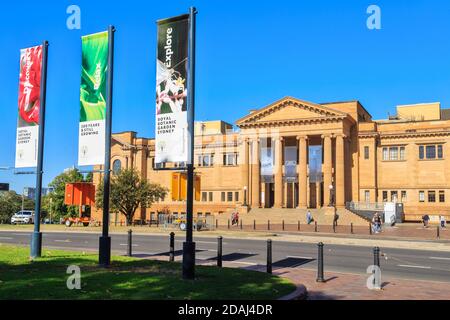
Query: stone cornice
{"points": [[399, 135], [292, 122]]}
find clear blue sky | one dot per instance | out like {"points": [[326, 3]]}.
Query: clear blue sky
{"points": [[249, 54]]}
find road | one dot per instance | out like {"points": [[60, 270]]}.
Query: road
{"points": [[395, 263]]}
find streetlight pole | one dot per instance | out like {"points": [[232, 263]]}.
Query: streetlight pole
{"points": [[36, 237], [105, 239], [245, 196], [189, 245]]}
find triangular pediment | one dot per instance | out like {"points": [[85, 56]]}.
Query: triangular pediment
{"points": [[288, 109]]}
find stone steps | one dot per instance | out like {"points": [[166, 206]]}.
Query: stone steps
{"points": [[323, 216]]}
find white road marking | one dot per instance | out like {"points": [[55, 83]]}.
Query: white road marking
{"points": [[410, 266], [66, 241], [245, 263], [126, 244], [5, 238], [439, 258], [300, 257]]}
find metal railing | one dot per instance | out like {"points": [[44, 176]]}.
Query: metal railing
{"points": [[365, 206]]}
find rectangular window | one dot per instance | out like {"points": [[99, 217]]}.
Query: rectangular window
{"points": [[385, 154], [431, 152], [236, 196], [223, 196], [366, 152], [206, 160], [404, 196], [230, 159], [421, 196], [442, 196], [204, 196], [431, 196], [210, 197], [367, 196], [440, 152], [394, 196], [385, 196], [393, 153], [230, 196], [402, 153], [421, 153]]}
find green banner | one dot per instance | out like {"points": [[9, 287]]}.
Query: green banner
{"points": [[93, 77]]}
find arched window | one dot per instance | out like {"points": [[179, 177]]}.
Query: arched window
{"points": [[117, 166]]}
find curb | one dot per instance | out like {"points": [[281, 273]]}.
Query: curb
{"points": [[301, 293]]}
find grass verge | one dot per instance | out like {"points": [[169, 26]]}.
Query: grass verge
{"points": [[127, 278]]}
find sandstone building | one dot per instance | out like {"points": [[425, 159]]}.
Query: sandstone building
{"points": [[293, 154]]}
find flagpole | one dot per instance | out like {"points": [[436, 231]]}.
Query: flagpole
{"points": [[36, 237], [189, 245], [105, 239]]}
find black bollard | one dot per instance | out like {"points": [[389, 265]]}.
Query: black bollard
{"points": [[217, 224], [254, 224], [129, 251], [269, 256], [351, 228], [268, 224], [334, 227], [228, 223], [437, 232], [219, 251], [283, 225], [320, 263], [172, 247], [376, 256], [241, 224], [315, 226], [298, 225], [370, 228]]}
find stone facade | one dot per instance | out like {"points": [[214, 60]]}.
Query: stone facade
{"points": [[298, 154]]}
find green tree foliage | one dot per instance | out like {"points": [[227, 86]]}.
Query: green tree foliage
{"points": [[130, 192], [11, 202]]}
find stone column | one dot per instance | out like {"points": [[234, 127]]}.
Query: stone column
{"points": [[244, 159], [326, 168], [302, 171], [256, 175], [340, 171], [278, 201]]}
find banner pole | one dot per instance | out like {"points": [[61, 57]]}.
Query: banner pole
{"points": [[36, 237], [189, 245], [105, 239]]}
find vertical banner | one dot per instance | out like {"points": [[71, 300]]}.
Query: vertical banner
{"points": [[171, 90], [91, 147], [29, 107]]}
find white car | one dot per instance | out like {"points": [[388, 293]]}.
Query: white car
{"points": [[25, 217]]}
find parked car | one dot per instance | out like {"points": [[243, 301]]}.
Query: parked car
{"points": [[23, 217]]}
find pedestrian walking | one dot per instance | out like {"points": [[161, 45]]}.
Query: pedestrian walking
{"points": [[309, 217], [442, 221], [425, 219]]}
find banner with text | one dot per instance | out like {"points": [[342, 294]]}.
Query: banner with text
{"points": [[171, 91], [29, 107], [91, 147]]}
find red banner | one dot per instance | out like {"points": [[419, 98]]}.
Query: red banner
{"points": [[30, 85], [29, 107]]}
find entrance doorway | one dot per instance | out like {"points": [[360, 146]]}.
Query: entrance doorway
{"points": [[269, 195], [291, 195], [312, 195]]}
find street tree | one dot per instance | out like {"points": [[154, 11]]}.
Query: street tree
{"points": [[128, 192], [11, 202]]}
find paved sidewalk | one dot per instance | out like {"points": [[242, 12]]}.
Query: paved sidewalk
{"points": [[345, 286]]}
